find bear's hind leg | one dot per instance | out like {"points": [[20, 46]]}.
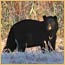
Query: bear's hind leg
{"points": [[21, 46]]}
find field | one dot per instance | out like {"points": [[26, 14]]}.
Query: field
{"points": [[13, 11]]}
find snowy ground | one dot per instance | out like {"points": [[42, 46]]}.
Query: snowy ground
{"points": [[32, 56]]}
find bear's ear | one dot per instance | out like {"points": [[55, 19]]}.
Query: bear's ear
{"points": [[55, 17], [44, 17]]}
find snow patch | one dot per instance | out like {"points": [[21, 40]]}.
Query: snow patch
{"points": [[36, 57]]}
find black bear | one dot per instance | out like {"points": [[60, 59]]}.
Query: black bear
{"points": [[29, 33]]}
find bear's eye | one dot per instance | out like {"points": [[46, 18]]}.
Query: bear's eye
{"points": [[49, 27], [50, 37]]}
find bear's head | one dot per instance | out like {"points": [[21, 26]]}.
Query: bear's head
{"points": [[51, 24]]}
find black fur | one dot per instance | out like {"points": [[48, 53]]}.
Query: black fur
{"points": [[29, 33]]}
